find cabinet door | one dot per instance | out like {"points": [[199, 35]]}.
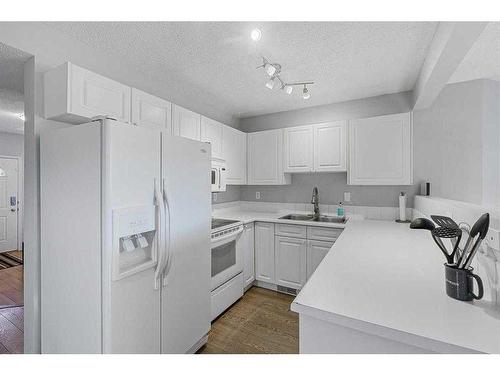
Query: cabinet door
{"points": [[150, 111], [380, 150], [298, 149], [290, 261], [234, 150], [264, 252], [330, 147], [211, 132], [316, 251], [265, 158], [248, 254], [94, 95], [186, 123]]}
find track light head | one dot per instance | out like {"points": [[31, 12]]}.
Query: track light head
{"points": [[288, 89], [270, 69], [305, 93], [270, 84]]}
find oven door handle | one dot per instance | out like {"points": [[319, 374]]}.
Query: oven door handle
{"points": [[227, 238]]}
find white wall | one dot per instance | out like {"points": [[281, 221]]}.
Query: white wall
{"points": [[457, 142], [13, 145]]}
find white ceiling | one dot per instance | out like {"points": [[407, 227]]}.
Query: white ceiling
{"points": [[346, 60], [483, 59]]}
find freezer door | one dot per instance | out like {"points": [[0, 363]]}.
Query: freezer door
{"points": [[185, 297], [131, 304]]}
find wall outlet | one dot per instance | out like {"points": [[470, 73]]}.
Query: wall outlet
{"points": [[347, 196], [214, 197], [493, 239], [257, 195]]}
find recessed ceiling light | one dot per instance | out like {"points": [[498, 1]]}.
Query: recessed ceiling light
{"points": [[256, 34]]}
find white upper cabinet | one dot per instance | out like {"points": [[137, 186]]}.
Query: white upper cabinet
{"points": [[380, 150], [151, 111], [75, 95], [265, 158], [234, 151], [211, 132], [186, 123], [316, 148], [330, 143], [298, 149]]}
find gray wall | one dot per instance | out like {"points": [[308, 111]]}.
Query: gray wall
{"points": [[231, 194], [456, 143], [367, 107], [11, 144], [331, 188]]}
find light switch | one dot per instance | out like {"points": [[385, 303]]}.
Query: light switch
{"points": [[347, 196]]}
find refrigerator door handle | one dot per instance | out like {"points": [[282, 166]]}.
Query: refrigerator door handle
{"points": [[167, 234], [159, 235]]}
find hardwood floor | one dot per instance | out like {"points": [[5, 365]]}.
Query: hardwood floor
{"points": [[11, 330], [259, 323], [11, 286]]}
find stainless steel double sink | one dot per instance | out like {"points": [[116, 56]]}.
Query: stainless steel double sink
{"points": [[321, 218]]}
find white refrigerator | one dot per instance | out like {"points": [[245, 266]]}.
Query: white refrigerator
{"points": [[125, 240]]}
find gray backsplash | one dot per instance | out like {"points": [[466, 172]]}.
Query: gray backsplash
{"points": [[331, 188], [231, 194]]}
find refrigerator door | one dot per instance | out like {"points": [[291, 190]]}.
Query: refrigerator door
{"points": [[131, 176], [185, 296]]}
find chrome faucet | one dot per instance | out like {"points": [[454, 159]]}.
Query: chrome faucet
{"points": [[315, 202]]}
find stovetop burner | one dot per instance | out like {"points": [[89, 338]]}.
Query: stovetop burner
{"points": [[217, 223]]}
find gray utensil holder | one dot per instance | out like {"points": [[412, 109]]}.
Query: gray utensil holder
{"points": [[459, 283]]}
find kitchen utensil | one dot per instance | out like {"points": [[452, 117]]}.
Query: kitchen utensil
{"points": [[479, 228], [422, 223], [459, 283], [444, 221], [451, 233]]}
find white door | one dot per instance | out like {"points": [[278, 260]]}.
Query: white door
{"points": [[151, 111], [265, 158], [316, 251], [211, 132], [330, 147], [186, 123], [234, 150], [380, 150], [8, 203], [264, 252], [248, 242], [290, 261], [299, 149], [185, 296]]}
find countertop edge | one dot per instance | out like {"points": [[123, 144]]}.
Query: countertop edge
{"points": [[408, 338]]}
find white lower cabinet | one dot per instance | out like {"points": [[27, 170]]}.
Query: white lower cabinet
{"points": [[290, 261], [316, 251], [247, 241], [264, 252]]}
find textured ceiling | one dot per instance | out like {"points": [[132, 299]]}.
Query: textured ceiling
{"points": [[12, 68], [11, 106], [483, 59], [346, 60]]}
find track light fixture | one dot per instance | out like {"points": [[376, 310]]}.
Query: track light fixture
{"points": [[273, 70]]}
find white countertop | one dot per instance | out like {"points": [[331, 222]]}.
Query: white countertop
{"points": [[384, 278], [274, 217]]}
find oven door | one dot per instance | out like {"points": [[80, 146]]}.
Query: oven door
{"points": [[215, 176], [227, 259]]}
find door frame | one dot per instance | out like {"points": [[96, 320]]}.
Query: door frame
{"points": [[20, 193]]}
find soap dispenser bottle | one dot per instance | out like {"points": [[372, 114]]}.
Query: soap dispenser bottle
{"points": [[340, 210]]}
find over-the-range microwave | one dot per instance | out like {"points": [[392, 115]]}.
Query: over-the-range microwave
{"points": [[218, 175]]}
